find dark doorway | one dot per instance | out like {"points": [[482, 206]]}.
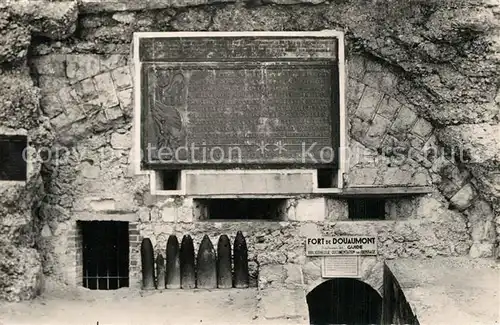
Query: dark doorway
{"points": [[105, 254], [344, 301]]}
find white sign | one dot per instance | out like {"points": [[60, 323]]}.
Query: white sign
{"points": [[341, 245], [340, 266]]}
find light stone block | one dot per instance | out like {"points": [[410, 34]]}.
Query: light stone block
{"points": [[169, 213], [310, 209], [105, 90], [82, 66], [249, 183], [368, 104], [464, 197], [103, 205], [121, 141]]}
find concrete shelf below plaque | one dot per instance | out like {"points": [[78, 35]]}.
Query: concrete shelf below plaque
{"points": [[270, 183], [392, 191], [249, 182]]}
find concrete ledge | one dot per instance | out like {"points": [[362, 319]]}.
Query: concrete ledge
{"points": [[251, 182], [96, 6], [358, 192], [269, 183], [449, 290], [373, 191], [243, 196]]}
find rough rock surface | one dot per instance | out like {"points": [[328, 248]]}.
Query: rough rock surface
{"points": [[20, 266], [480, 142], [15, 38], [20, 113], [55, 20], [20, 100], [478, 146], [20, 273], [20, 19], [421, 76]]}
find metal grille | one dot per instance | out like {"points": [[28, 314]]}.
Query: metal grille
{"points": [[105, 254], [365, 208], [12, 163]]}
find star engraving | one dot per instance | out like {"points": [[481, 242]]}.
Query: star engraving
{"points": [[262, 147], [280, 147]]}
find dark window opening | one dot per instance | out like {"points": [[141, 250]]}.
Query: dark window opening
{"points": [[12, 163], [105, 254], [169, 180], [344, 301], [367, 209], [242, 209], [326, 178]]}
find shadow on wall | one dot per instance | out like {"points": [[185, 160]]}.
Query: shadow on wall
{"points": [[344, 301]]}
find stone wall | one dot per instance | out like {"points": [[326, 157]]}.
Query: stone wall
{"points": [[422, 88], [20, 114]]}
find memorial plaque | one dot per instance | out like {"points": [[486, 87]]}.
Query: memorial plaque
{"points": [[340, 266], [236, 48], [239, 101]]}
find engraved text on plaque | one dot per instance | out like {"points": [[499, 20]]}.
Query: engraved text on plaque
{"points": [[239, 101]]}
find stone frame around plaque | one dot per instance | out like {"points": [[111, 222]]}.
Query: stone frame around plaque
{"points": [[342, 118]]}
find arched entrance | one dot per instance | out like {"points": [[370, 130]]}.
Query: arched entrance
{"points": [[344, 301]]}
